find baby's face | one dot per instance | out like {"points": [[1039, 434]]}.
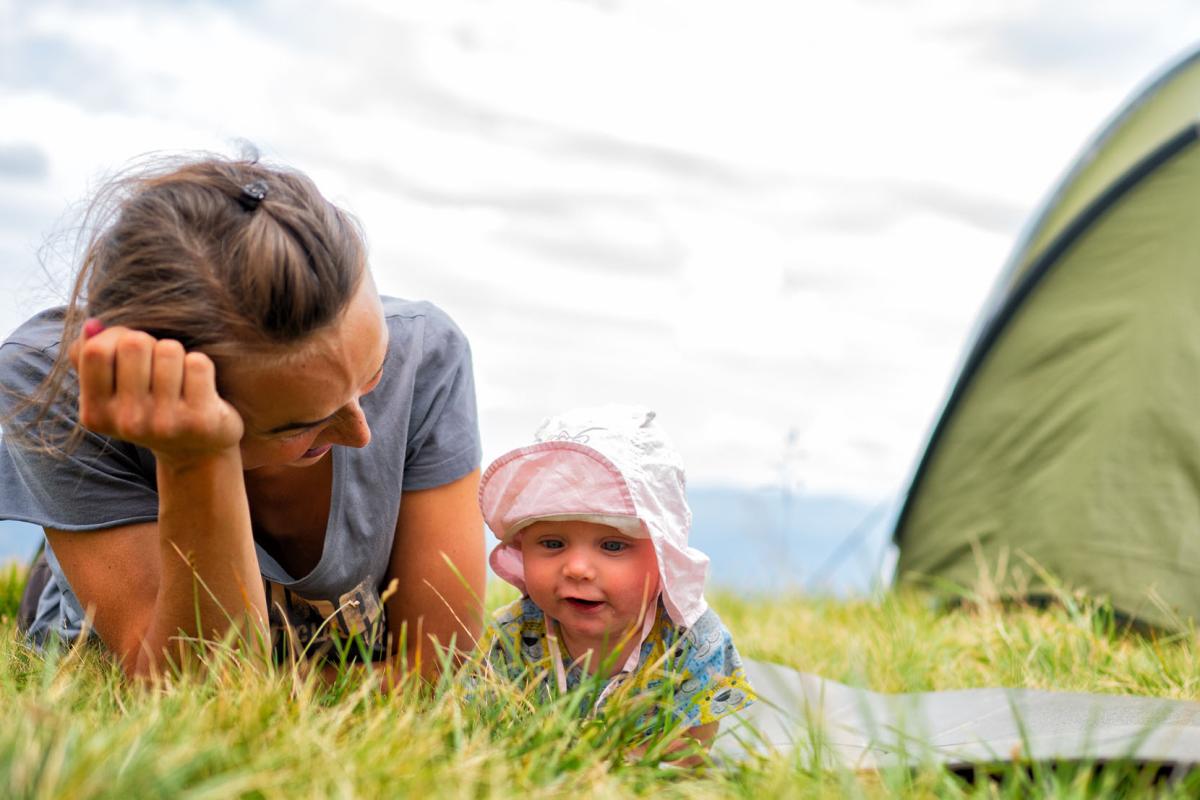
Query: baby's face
{"points": [[593, 579]]}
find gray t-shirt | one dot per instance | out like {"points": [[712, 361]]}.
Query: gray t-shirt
{"points": [[424, 433]]}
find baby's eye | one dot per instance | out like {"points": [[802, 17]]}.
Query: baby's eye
{"points": [[613, 546], [551, 544]]}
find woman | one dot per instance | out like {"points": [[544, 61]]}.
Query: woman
{"points": [[240, 433]]}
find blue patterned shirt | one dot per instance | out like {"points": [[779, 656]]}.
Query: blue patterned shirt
{"points": [[704, 667]]}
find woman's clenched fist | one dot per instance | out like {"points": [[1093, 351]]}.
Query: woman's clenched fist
{"points": [[152, 393]]}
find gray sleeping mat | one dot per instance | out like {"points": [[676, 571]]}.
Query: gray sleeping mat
{"points": [[859, 729]]}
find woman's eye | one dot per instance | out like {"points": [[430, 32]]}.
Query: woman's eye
{"points": [[613, 547], [293, 435]]}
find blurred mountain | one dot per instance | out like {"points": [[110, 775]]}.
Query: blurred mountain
{"points": [[772, 540], [758, 540]]}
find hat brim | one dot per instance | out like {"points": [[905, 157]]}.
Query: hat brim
{"points": [[555, 481], [627, 524]]}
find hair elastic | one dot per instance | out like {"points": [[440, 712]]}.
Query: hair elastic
{"points": [[252, 194]]}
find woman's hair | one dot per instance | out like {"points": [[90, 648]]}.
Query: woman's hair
{"points": [[226, 256]]}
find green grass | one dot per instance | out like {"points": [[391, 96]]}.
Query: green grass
{"points": [[74, 728]]}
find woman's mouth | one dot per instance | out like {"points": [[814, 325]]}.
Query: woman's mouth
{"points": [[316, 451]]}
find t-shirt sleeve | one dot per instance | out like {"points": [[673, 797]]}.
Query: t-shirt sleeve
{"points": [[91, 484], [712, 680], [443, 440]]}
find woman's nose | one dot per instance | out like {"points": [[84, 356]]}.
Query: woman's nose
{"points": [[350, 429]]}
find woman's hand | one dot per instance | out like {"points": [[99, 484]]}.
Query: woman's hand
{"points": [[152, 393]]}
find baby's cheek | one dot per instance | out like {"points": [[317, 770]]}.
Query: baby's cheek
{"points": [[649, 569], [537, 579], [640, 580]]}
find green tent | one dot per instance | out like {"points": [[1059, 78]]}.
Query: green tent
{"points": [[1070, 441]]}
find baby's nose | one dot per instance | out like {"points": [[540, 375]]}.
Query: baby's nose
{"points": [[579, 567]]}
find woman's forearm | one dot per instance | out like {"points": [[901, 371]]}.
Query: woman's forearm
{"points": [[209, 582], [153, 393]]}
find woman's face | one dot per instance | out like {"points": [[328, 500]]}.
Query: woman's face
{"points": [[298, 406]]}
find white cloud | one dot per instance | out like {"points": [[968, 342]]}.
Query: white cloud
{"points": [[767, 219]]}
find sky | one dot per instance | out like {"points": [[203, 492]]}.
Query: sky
{"points": [[772, 222]]}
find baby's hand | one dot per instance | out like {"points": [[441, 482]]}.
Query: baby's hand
{"points": [[693, 746], [152, 393]]}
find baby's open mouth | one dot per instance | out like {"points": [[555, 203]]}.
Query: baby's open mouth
{"points": [[584, 605]]}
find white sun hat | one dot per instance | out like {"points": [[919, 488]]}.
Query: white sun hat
{"points": [[611, 465]]}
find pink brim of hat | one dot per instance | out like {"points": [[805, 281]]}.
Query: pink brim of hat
{"points": [[553, 480]]}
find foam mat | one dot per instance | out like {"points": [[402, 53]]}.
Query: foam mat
{"points": [[860, 729]]}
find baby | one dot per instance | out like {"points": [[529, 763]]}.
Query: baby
{"points": [[593, 524]]}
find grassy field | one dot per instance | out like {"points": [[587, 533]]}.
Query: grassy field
{"points": [[74, 728]]}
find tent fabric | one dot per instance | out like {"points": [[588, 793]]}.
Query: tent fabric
{"points": [[1168, 104], [853, 728], [1069, 450]]}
